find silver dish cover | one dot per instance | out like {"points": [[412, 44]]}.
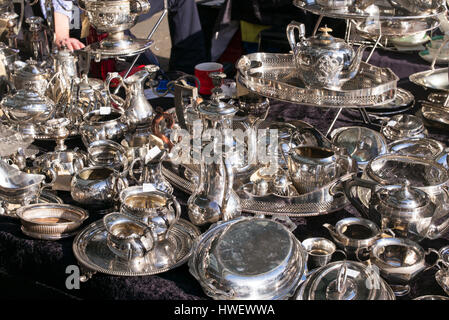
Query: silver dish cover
{"points": [[345, 280], [248, 258]]}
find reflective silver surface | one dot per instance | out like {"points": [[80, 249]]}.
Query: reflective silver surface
{"points": [[362, 144], [399, 260], [97, 187], [108, 125], [345, 280], [17, 186], [323, 61], [275, 76], [418, 147], [51, 220], [230, 260], [93, 254]]}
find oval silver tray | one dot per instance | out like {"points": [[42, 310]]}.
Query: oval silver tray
{"points": [[436, 79], [326, 200], [386, 12], [93, 254], [275, 76]]}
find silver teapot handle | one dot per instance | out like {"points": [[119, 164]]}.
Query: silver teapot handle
{"points": [[111, 76], [131, 170], [294, 25], [177, 212]]}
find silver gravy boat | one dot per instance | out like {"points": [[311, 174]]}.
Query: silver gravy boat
{"points": [[19, 187]]}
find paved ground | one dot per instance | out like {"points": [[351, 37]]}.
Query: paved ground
{"points": [[162, 42]]}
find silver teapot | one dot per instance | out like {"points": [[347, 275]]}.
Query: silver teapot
{"points": [[406, 210], [323, 61], [30, 76]]}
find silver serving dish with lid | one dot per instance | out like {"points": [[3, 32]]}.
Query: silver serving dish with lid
{"points": [[248, 258], [345, 280], [362, 144]]}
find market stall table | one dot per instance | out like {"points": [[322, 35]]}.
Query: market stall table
{"points": [[37, 268]]}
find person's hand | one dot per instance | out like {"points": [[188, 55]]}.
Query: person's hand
{"points": [[62, 38], [70, 43]]}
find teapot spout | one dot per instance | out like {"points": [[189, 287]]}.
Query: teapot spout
{"points": [[355, 65]]}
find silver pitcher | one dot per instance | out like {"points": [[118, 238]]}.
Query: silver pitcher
{"points": [[138, 110]]}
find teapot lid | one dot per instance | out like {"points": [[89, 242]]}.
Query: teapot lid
{"points": [[29, 68], [325, 40], [405, 197], [217, 108]]}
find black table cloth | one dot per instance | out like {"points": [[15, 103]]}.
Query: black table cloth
{"points": [[36, 268]]}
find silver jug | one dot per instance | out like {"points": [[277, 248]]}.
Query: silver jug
{"points": [[138, 110]]}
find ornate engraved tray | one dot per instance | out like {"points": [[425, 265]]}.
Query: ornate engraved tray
{"points": [[275, 76], [93, 254], [327, 199]]}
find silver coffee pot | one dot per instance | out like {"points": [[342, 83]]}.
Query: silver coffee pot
{"points": [[214, 199]]}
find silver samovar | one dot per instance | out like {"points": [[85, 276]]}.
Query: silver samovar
{"points": [[214, 198], [115, 17]]}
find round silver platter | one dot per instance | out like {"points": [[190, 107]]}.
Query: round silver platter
{"points": [[92, 252], [403, 101]]}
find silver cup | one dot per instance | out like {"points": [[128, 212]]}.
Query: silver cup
{"points": [[319, 252]]}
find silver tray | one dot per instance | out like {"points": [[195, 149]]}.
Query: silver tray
{"points": [[275, 76], [436, 79], [404, 98], [436, 113], [326, 200], [387, 13], [93, 254]]}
